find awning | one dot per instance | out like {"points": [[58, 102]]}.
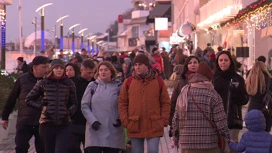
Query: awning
{"points": [[124, 33], [161, 10], [140, 20]]}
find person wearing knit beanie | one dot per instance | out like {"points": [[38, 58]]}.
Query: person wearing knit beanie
{"points": [[205, 70], [57, 62], [55, 71], [142, 58]]}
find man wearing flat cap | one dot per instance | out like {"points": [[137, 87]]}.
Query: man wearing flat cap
{"points": [[144, 106], [28, 117]]}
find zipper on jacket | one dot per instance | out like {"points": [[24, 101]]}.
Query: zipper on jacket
{"points": [[57, 102]]}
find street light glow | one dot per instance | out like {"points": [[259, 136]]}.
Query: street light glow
{"points": [[92, 37], [81, 31], [61, 18], [73, 26], [43, 6]]}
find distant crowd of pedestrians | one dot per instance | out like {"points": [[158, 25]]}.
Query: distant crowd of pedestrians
{"points": [[111, 102]]}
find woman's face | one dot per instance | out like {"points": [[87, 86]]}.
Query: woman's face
{"points": [[70, 72], [58, 71], [224, 62], [104, 73], [193, 65]]}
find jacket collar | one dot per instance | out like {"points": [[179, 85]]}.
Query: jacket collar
{"points": [[151, 75]]}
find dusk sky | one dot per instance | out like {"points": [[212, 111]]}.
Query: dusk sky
{"points": [[96, 15]]}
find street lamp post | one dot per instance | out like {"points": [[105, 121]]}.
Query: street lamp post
{"points": [[61, 30], [73, 36], [92, 38], [3, 39], [35, 29], [42, 23], [82, 37]]}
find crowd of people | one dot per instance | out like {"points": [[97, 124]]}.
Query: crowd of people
{"points": [[99, 101]]}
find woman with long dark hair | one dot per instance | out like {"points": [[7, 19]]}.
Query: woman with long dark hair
{"points": [[190, 67], [231, 87]]}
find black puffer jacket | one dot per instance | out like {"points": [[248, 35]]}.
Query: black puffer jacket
{"points": [[26, 115], [59, 100]]}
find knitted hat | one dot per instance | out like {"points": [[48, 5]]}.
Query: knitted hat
{"points": [[20, 59], [56, 62], [205, 70], [141, 58]]}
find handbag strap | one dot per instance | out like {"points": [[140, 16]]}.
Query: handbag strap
{"points": [[200, 109]]}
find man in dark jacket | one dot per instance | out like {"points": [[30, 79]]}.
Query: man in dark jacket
{"points": [[28, 117], [22, 66], [78, 120]]}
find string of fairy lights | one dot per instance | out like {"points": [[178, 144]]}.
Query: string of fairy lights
{"points": [[144, 4], [255, 16]]}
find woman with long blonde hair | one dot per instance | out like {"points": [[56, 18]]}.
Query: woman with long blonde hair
{"points": [[256, 85]]}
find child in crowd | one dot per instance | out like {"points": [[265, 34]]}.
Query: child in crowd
{"points": [[176, 73], [256, 139]]}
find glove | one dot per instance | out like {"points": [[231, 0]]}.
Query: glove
{"points": [[118, 123], [96, 125]]}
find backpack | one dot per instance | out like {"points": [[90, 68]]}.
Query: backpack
{"points": [[267, 100], [160, 80], [94, 88]]}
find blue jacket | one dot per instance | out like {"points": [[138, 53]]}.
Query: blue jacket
{"points": [[256, 139]]}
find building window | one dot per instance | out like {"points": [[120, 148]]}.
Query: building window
{"points": [[135, 32]]}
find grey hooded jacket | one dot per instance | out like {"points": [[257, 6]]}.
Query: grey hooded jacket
{"points": [[102, 106]]}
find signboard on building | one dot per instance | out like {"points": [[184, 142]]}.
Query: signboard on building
{"points": [[161, 23]]}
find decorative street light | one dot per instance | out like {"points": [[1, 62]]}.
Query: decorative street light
{"points": [[82, 36], [34, 21], [42, 23], [73, 36], [3, 38], [92, 38], [61, 30]]}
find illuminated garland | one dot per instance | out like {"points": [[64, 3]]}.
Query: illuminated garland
{"points": [[254, 8]]}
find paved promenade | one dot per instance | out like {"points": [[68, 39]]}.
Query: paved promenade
{"points": [[7, 145]]}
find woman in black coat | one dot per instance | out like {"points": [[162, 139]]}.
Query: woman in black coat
{"points": [[258, 81], [231, 88]]}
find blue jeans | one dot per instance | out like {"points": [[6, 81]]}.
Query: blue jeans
{"points": [[152, 145]]}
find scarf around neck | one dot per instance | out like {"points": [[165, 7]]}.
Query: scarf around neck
{"points": [[195, 81]]}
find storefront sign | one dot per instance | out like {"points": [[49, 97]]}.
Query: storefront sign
{"points": [[161, 23]]}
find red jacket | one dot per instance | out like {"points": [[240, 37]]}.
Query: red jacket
{"points": [[159, 63]]}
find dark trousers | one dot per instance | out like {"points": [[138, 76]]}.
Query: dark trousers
{"points": [[76, 138], [101, 150], [55, 138], [23, 135]]}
